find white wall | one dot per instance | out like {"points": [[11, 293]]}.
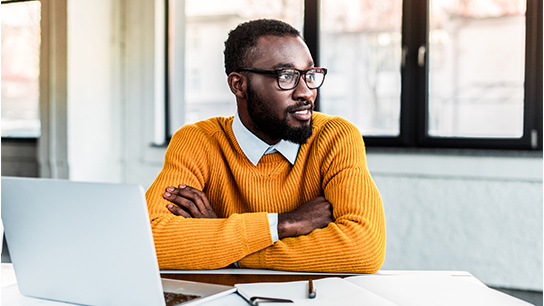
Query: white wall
{"points": [[94, 103], [447, 211], [482, 214]]}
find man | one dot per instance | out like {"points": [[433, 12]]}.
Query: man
{"points": [[277, 186]]}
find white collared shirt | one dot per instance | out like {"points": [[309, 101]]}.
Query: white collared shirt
{"points": [[254, 148]]}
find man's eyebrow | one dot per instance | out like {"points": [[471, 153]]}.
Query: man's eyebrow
{"points": [[291, 65], [284, 65]]}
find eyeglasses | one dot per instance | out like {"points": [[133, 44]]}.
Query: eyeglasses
{"points": [[288, 78]]}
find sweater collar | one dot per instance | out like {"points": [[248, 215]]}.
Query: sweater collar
{"points": [[254, 148]]}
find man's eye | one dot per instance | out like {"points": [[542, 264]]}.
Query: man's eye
{"points": [[286, 76]]}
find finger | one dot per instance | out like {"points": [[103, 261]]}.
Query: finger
{"points": [[327, 211], [178, 211], [198, 197], [183, 203]]}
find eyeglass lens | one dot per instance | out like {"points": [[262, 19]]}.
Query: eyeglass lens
{"points": [[288, 78]]}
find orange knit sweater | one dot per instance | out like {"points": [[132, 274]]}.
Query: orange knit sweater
{"points": [[205, 155]]}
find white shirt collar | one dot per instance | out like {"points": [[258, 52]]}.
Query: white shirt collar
{"points": [[254, 148]]}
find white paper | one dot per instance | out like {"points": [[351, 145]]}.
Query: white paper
{"points": [[433, 290], [329, 291]]}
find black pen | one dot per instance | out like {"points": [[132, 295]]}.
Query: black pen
{"points": [[311, 290]]}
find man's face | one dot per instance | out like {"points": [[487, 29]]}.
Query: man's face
{"points": [[277, 127], [274, 113]]}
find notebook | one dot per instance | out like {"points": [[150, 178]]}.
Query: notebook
{"points": [[88, 243], [327, 291], [406, 289]]}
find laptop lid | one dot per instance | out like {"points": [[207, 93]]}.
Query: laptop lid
{"points": [[85, 243]]}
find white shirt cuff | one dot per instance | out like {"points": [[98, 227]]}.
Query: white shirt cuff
{"points": [[273, 221]]}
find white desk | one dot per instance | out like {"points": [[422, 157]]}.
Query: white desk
{"points": [[10, 295]]}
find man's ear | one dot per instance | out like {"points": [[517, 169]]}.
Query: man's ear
{"points": [[237, 84]]}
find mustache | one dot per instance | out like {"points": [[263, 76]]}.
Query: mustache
{"points": [[300, 105]]}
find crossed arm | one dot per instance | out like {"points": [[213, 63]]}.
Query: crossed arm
{"points": [[310, 240], [193, 203]]}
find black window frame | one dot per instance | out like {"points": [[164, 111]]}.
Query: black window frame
{"points": [[414, 83]]}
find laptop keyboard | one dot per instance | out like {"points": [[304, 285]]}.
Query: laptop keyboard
{"points": [[173, 298]]}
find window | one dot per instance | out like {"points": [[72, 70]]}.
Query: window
{"points": [[20, 69], [476, 65], [412, 73], [361, 42], [436, 73], [197, 83]]}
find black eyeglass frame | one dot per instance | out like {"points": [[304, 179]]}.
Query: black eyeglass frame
{"points": [[278, 71]]}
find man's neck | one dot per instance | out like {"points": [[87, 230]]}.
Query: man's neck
{"points": [[254, 147]]}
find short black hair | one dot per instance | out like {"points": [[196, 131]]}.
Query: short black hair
{"points": [[245, 36]]}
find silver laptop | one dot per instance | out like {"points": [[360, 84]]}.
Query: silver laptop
{"points": [[88, 243]]}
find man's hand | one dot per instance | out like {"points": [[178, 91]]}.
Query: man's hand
{"points": [[189, 202], [309, 216]]}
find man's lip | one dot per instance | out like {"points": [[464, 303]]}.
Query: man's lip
{"points": [[302, 114], [306, 107]]}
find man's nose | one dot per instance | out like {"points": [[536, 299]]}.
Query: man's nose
{"points": [[302, 92]]}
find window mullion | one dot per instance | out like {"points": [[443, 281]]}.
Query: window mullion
{"points": [[532, 119], [414, 72], [420, 25], [311, 32]]}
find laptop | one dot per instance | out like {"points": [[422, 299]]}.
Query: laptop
{"points": [[89, 243]]}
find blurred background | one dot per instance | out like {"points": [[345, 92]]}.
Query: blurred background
{"points": [[447, 95]]}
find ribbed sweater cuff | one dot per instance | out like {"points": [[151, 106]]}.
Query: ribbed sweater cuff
{"points": [[257, 232], [253, 261]]}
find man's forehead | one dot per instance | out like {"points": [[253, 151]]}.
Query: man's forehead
{"points": [[282, 51]]}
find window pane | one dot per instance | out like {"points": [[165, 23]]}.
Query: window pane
{"points": [[20, 69], [477, 55], [360, 44], [198, 84]]}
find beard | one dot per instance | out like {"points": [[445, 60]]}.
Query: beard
{"points": [[275, 127]]}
